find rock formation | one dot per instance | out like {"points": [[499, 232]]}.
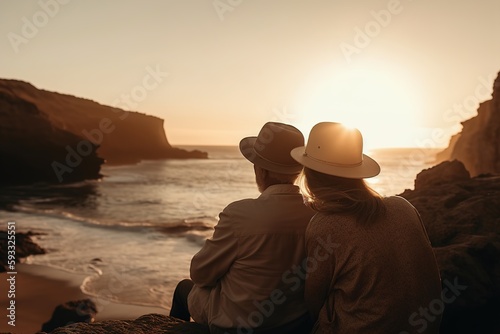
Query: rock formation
{"points": [[52, 137], [24, 247], [478, 144], [151, 323], [71, 312], [30, 146], [462, 218], [441, 174]]}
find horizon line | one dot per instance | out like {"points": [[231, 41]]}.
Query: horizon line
{"points": [[368, 149]]}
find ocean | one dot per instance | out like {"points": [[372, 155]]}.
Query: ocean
{"points": [[133, 232]]}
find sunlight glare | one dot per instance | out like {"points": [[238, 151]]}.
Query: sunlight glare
{"points": [[376, 100]]}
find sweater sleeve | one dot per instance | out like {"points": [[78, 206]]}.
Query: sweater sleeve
{"points": [[217, 255]]}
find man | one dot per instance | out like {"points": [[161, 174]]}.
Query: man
{"points": [[247, 278]]}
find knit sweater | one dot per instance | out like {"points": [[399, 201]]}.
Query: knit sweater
{"points": [[378, 277]]}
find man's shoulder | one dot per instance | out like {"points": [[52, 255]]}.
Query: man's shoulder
{"points": [[242, 203], [264, 200], [240, 207], [268, 207]]}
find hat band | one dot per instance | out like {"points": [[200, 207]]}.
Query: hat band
{"points": [[333, 163], [273, 162]]}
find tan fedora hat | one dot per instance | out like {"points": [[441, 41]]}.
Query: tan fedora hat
{"points": [[336, 150], [271, 148]]}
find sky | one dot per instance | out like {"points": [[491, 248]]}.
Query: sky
{"points": [[406, 73]]}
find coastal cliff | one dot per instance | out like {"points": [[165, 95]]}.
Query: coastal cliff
{"points": [[462, 217], [51, 137], [32, 149], [478, 144]]}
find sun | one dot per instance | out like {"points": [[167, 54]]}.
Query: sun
{"points": [[379, 101]]}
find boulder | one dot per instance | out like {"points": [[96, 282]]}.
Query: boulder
{"points": [[445, 172], [71, 312], [24, 247]]}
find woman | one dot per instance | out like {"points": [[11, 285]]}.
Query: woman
{"points": [[376, 271]]}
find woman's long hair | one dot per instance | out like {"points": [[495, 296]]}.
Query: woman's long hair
{"points": [[339, 195]]}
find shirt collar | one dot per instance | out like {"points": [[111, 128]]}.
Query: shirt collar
{"points": [[281, 189]]}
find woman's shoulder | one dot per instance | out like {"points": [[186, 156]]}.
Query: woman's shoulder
{"points": [[398, 202], [323, 222]]}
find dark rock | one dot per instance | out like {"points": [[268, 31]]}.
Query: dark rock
{"points": [[147, 324], [462, 218], [445, 172], [473, 268], [33, 150], [453, 212], [24, 247], [71, 312], [478, 144]]}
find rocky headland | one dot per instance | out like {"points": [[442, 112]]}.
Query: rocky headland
{"points": [[31, 146], [51, 137]]}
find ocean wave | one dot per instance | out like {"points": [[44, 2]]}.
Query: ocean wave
{"points": [[185, 227], [198, 238], [204, 223]]}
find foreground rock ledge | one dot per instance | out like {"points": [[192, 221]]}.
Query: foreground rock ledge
{"points": [[462, 217], [150, 323]]}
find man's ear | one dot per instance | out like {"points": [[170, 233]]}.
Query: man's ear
{"points": [[264, 172], [260, 171]]}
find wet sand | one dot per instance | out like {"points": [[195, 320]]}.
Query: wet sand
{"points": [[39, 289]]}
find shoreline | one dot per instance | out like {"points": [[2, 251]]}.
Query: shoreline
{"points": [[39, 289]]}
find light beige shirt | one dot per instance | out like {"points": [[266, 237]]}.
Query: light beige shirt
{"points": [[248, 274], [380, 277]]}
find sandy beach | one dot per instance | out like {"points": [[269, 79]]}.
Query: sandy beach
{"points": [[40, 289]]}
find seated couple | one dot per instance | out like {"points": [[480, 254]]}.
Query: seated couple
{"points": [[337, 258]]}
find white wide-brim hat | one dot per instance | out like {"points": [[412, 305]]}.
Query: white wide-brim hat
{"points": [[335, 149]]}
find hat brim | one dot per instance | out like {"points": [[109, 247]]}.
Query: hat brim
{"points": [[368, 167], [248, 151]]}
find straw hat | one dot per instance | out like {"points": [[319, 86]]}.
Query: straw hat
{"points": [[271, 148], [336, 150]]}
